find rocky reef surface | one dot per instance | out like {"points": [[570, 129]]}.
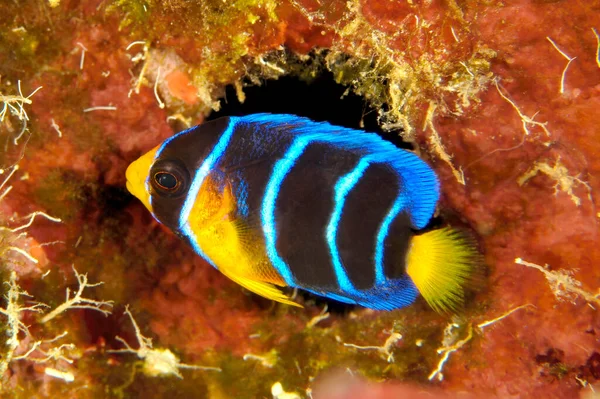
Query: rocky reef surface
{"points": [[501, 98]]}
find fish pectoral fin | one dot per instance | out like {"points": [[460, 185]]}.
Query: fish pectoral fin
{"points": [[266, 290]]}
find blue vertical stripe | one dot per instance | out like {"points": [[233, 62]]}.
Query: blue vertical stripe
{"points": [[382, 234], [280, 170], [343, 186], [209, 162]]}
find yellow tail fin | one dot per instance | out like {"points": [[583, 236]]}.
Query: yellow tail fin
{"points": [[440, 263]]}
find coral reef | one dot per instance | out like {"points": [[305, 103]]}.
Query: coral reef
{"points": [[501, 98]]}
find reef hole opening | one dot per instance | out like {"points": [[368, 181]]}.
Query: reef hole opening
{"points": [[321, 99]]}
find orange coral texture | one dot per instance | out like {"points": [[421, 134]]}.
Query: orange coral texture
{"points": [[539, 220]]}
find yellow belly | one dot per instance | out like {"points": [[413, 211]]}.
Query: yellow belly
{"points": [[236, 248]]}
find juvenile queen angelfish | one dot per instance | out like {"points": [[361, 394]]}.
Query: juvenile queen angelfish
{"points": [[280, 200]]}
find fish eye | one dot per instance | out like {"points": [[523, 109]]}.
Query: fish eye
{"points": [[169, 178], [166, 180]]}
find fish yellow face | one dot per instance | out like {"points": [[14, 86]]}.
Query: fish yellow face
{"points": [[137, 175]]}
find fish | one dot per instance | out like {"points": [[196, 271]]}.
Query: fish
{"points": [[278, 200]]}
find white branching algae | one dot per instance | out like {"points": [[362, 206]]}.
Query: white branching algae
{"points": [[526, 120], [13, 312], [450, 344], [385, 349], [14, 104], [46, 351], [268, 360], [562, 283], [78, 301], [452, 341], [437, 146], [597, 47], [569, 60], [82, 58], [141, 56], [20, 344], [324, 315], [100, 108], [158, 362], [565, 182]]}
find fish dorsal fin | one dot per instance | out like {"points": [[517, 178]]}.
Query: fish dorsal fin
{"points": [[266, 290]]}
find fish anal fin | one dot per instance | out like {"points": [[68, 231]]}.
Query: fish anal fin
{"points": [[266, 290], [233, 243]]}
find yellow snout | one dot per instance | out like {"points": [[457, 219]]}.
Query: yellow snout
{"points": [[137, 174]]}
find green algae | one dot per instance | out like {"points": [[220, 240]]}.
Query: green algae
{"points": [[193, 15], [298, 355], [63, 194], [131, 11], [30, 38], [227, 49], [222, 34], [4, 277]]}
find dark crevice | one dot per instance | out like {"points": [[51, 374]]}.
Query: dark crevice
{"points": [[321, 99]]}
